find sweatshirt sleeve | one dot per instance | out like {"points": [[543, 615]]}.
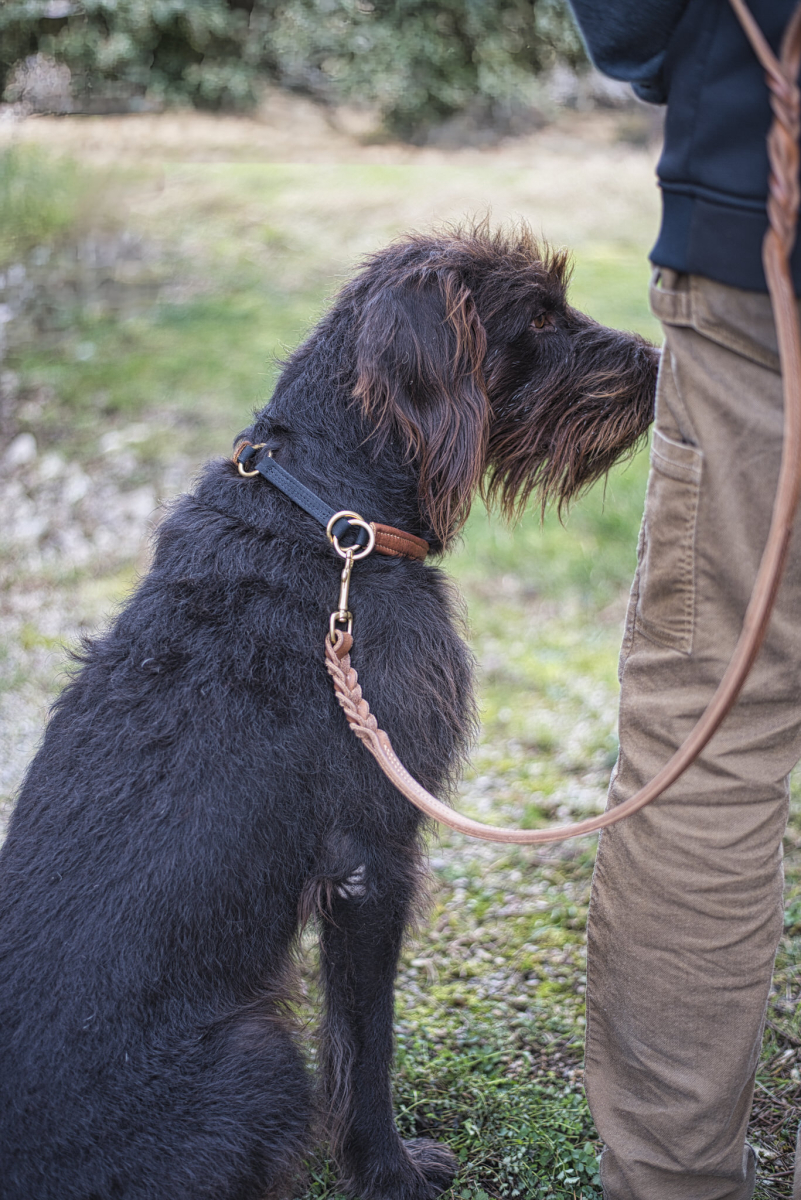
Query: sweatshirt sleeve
{"points": [[628, 39]]}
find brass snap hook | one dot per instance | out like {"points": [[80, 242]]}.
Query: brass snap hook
{"points": [[351, 554], [342, 615]]}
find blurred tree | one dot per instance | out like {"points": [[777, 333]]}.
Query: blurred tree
{"points": [[419, 64]]}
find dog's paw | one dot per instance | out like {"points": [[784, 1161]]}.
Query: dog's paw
{"points": [[420, 1170], [436, 1163]]}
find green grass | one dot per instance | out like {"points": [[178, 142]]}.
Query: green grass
{"points": [[590, 554], [40, 200], [205, 365], [610, 281]]}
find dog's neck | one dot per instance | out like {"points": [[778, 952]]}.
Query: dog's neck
{"points": [[315, 430]]}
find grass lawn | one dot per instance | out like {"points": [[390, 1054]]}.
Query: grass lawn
{"points": [[131, 392]]}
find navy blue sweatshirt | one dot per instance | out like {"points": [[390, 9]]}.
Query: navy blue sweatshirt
{"points": [[693, 56]]}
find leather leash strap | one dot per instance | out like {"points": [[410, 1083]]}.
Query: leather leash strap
{"points": [[783, 201]]}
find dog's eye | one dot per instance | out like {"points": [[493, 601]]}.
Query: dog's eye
{"points": [[541, 320]]}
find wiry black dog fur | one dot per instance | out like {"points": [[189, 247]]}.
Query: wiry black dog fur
{"points": [[198, 792]]}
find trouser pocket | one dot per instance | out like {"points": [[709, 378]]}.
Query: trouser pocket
{"points": [[665, 604]]}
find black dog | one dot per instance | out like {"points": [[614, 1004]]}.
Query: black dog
{"points": [[198, 792]]}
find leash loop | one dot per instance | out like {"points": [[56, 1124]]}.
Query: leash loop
{"points": [[340, 618]]}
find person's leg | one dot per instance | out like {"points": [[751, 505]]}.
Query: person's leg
{"points": [[686, 909]]}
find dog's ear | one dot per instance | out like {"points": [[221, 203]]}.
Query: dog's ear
{"points": [[420, 353]]}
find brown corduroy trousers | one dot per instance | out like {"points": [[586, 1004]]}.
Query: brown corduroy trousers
{"points": [[686, 910]]}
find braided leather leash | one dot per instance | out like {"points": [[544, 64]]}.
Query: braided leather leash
{"points": [[783, 202]]}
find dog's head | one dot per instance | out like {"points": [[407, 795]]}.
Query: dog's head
{"points": [[468, 350]]}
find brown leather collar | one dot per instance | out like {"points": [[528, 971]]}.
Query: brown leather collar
{"points": [[395, 543]]}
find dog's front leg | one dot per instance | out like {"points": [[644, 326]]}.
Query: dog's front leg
{"points": [[361, 940]]}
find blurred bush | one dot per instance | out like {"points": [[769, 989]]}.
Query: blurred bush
{"points": [[418, 64], [124, 54], [421, 63]]}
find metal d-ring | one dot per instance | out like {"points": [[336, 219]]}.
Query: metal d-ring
{"points": [[353, 518], [240, 467]]}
